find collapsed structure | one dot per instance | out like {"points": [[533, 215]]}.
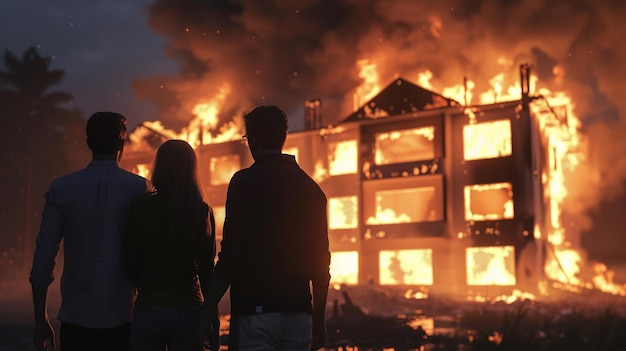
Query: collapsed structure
{"points": [[425, 192]]}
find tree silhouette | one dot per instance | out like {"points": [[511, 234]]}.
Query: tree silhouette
{"points": [[42, 137], [30, 79]]}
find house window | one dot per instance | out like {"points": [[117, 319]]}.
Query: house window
{"points": [[342, 157], [406, 267], [487, 140], [406, 145], [491, 265], [404, 206], [342, 212], [403, 200], [223, 167], [488, 201], [344, 267]]}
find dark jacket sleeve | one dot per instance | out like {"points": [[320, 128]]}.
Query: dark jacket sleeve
{"points": [[321, 253], [233, 236]]}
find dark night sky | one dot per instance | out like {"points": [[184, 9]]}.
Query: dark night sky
{"points": [[156, 64], [102, 46]]}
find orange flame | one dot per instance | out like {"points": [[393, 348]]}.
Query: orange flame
{"points": [[370, 86], [201, 130]]}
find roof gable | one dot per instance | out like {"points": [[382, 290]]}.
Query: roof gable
{"points": [[400, 97]]}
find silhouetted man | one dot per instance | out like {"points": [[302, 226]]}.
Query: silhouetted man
{"points": [[87, 211], [274, 247]]}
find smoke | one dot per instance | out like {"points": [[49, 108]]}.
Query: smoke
{"points": [[283, 52]]}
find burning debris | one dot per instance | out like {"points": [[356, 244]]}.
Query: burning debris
{"points": [[378, 318]]}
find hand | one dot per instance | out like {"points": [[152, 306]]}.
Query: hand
{"points": [[214, 337], [319, 334], [43, 336], [210, 329]]}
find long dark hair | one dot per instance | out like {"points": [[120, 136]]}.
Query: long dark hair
{"points": [[174, 177]]}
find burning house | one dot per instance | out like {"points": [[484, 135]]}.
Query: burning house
{"points": [[425, 192]]}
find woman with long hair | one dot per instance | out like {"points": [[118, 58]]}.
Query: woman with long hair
{"points": [[170, 251]]}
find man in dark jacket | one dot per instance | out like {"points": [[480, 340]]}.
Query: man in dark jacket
{"points": [[274, 247]]}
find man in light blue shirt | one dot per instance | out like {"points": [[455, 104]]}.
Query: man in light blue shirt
{"points": [[86, 210]]}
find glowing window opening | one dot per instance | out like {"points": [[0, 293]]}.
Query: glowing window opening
{"points": [[342, 157], [344, 267], [488, 201], [487, 140], [342, 212], [406, 267], [409, 205], [491, 265], [407, 145], [223, 167]]}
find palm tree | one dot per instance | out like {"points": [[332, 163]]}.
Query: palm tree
{"points": [[36, 124], [28, 80]]}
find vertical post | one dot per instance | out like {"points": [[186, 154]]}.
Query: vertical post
{"points": [[525, 82], [313, 114], [464, 91]]}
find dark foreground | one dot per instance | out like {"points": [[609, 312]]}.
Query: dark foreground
{"points": [[369, 318]]}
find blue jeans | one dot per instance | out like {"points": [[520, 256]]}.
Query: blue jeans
{"points": [[154, 328], [271, 331]]}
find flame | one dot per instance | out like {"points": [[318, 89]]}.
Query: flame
{"points": [[201, 130], [490, 265], [423, 79], [489, 201], [406, 267], [342, 157], [142, 169], [604, 280], [553, 112], [406, 205], [516, 295], [559, 126], [320, 173], [420, 294], [406, 145], [343, 212], [370, 86], [487, 140]]}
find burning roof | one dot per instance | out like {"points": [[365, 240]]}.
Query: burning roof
{"points": [[400, 97]]}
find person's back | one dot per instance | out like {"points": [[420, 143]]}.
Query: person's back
{"points": [[274, 247], [170, 250], [87, 210], [162, 266], [93, 204], [283, 234]]}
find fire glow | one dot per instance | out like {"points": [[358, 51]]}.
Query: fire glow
{"points": [[387, 202]]}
